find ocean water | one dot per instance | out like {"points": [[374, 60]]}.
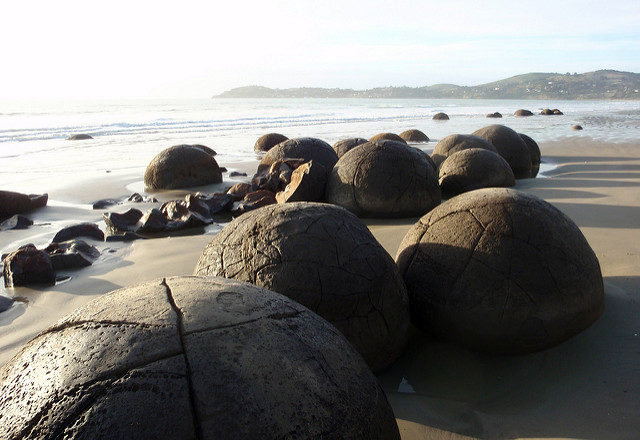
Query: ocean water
{"points": [[35, 157]]}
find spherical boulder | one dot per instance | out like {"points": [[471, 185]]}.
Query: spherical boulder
{"points": [[388, 137], [187, 357], [502, 271], [523, 112], [384, 179], [326, 259], [414, 136], [494, 115], [307, 149], [472, 169], [268, 141], [182, 166], [458, 142], [534, 151], [557, 112], [510, 146], [345, 145], [440, 117], [546, 112]]}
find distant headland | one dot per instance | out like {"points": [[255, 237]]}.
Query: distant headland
{"points": [[601, 84]]}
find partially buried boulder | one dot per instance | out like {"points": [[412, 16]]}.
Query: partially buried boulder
{"points": [[502, 271], [326, 259], [546, 112], [472, 169], [72, 254], [577, 127], [414, 136], [510, 146], [188, 357], [440, 117], [384, 179], [341, 147], [557, 112], [12, 203], [182, 166], [306, 149], [79, 137], [27, 266], [268, 141], [534, 151], [458, 142], [494, 115], [523, 112], [307, 184], [88, 230], [387, 137], [16, 222]]}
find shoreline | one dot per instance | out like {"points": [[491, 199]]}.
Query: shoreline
{"points": [[586, 387]]}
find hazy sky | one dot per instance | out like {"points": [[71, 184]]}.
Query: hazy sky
{"points": [[89, 49]]}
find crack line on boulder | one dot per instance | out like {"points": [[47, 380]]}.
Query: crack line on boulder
{"points": [[180, 324]]}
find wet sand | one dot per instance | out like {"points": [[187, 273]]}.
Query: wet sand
{"points": [[587, 387]]}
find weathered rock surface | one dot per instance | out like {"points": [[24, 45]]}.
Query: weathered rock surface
{"points": [[138, 198], [254, 200], [239, 190], [384, 179], [494, 115], [182, 166], [472, 169], [440, 117], [324, 258], [557, 112], [16, 222], [414, 136], [306, 149], [534, 152], [152, 221], [546, 112], [458, 142], [345, 145], [79, 137], [27, 265], [268, 141], [387, 137], [12, 203], [88, 230], [307, 184], [72, 254], [523, 112], [124, 237], [502, 271], [126, 221], [510, 146], [204, 148], [105, 203], [185, 358]]}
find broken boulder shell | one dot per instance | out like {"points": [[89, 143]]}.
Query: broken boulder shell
{"points": [[189, 357], [307, 184], [325, 258]]}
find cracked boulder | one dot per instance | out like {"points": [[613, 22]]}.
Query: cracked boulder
{"points": [[510, 146], [326, 259], [192, 358], [534, 151], [182, 166], [384, 179], [502, 271], [472, 169], [306, 149], [414, 136], [341, 147], [457, 142], [268, 141], [387, 137]]}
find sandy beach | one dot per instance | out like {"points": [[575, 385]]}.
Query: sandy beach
{"points": [[587, 387]]}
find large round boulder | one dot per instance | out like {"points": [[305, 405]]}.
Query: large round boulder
{"points": [[472, 169], [502, 271], [534, 152], [510, 146], [185, 358], [326, 259], [384, 179], [306, 149], [345, 145], [523, 112], [440, 117], [458, 142], [387, 137], [268, 141], [414, 136], [182, 166]]}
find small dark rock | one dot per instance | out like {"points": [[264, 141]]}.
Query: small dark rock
{"points": [[440, 117], [12, 203], [214, 202], [26, 266], [557, 112], [127, 236], [546, 112], [152, 221], [123, 222], [79, 137], [223, 169], [5, 303], [577, 127], [135, 198], [72, 254], [237, 174], [105, 203], [89, 230], [239, 190], [254, 200], [494, 115], [16, 222]]}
